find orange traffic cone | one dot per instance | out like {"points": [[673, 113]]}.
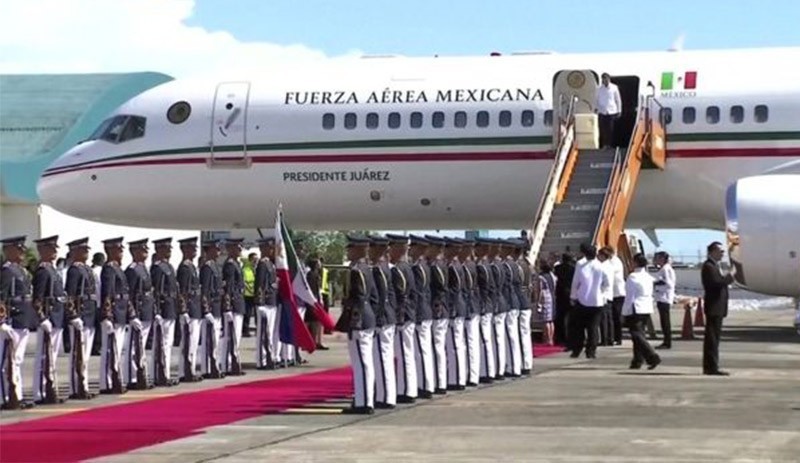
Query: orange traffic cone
{"points": [[687, 332], [699, 316]]}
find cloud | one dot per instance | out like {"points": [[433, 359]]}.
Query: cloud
{"points": [[85, 36]]}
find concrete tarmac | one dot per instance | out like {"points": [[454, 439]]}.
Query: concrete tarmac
{"points": [[571, 410]]}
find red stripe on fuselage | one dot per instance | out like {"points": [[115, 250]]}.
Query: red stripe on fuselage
{"points": [[426, 157]]}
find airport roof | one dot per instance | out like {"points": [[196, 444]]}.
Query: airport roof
{"points": [[42, 115]]}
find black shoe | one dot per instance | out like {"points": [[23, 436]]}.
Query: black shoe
{"points": [[591, 356], [526, 372], [716, 373], [499, 377], [422, 394], [663, 346], [191, 379], [652, 365], [486, 380], [358, 411], [617, 343], [634, 366], [384, 406], [513, 375], [472, 384], [84, 396], [574, 355], [219, 375], [440, 391], [266, 367], [139, 387], [113, 391], [321, 347], [456, 387], [404, 399], [56, 401]]}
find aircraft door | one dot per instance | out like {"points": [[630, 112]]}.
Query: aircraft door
{"points": [[229, 124], [569, 84]]}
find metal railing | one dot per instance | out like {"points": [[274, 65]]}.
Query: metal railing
{"points": [[566, 137]]}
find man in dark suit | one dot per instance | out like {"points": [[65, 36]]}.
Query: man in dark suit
{"points": [[715, 302]]}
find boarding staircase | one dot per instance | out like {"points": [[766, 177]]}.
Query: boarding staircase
{"points": [[590, 191]]}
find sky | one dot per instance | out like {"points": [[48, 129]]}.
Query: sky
{"points": [[185, 38]]}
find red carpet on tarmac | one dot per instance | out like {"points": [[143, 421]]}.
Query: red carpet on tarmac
{"points": [[121, 428]]}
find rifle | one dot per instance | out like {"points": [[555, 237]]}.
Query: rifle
{"points": [[236, 367], [13, 401], [188, 368], [159, 376], [211, 356], [138, 359], [116, 381], [265, 343], [77, 353], [50, 395]]}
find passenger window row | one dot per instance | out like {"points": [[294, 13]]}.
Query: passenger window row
{"points": [[736, 114], [438, 119]]}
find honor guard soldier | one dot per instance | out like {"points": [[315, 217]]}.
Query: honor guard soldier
{"points": [[455, 348], [81, 311], [141, 294], [17, 318], [511, 273], [501, 307], [115, 312], [472, 323], [266, 287], [358, 321], [441, 315], [211, 303], [424, 326], [191, 312], [48, 302], [165, 292], [486, 302], [385, 321], [233, 307], [525, 312], [405, 303]]}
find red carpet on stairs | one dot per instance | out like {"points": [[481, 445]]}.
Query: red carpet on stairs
{"points": [[124, 427]]}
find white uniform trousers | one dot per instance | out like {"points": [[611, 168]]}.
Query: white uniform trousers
{"points": [[406, 363], [424, 356], [513, 352], [440, 328], [266, 336], [106, 344], [87, 334], [525, 340], [17, 342], [383, 357], [472, 328], [190, 344], [500, 343], [360, 349], [209, 339], [38, 367], [130, 369], [488, 367], [167, 328], [456, 353], [227, 354]]}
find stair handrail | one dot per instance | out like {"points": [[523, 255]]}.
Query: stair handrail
{"points": [[566, 138], [608, 211]]}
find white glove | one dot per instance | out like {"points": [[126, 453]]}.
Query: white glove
{"points": [[136, 324], [209, 318], [185, 318], [107, 326], [46, 326], [158, 319], [228, 316], [6, 329], [77, 323]]}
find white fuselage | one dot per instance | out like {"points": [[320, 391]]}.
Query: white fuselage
{"points": [[248, 146]]}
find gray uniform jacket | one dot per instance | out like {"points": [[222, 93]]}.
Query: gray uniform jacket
{"points": [[82, 294], [16, 294], [439, 291], [405, 293], [211, 289], [114, 294], [486, 289], [500, 302], [165, 289], [471, 295], [422, 279], [48, 294], [512, 280], [141, 291], [189, 290], [265, 279], [233, 287], [455, 287], [385, 309], [361, 295]]}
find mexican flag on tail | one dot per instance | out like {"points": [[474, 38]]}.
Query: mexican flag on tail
{"points": [[293, 286]]}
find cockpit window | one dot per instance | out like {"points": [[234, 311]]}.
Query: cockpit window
{"points": [[120, 129]]}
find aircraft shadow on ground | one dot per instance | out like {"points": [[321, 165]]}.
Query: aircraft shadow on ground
{"points": [[765, 334]]}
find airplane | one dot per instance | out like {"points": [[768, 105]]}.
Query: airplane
{"points": [[394, 142]]}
